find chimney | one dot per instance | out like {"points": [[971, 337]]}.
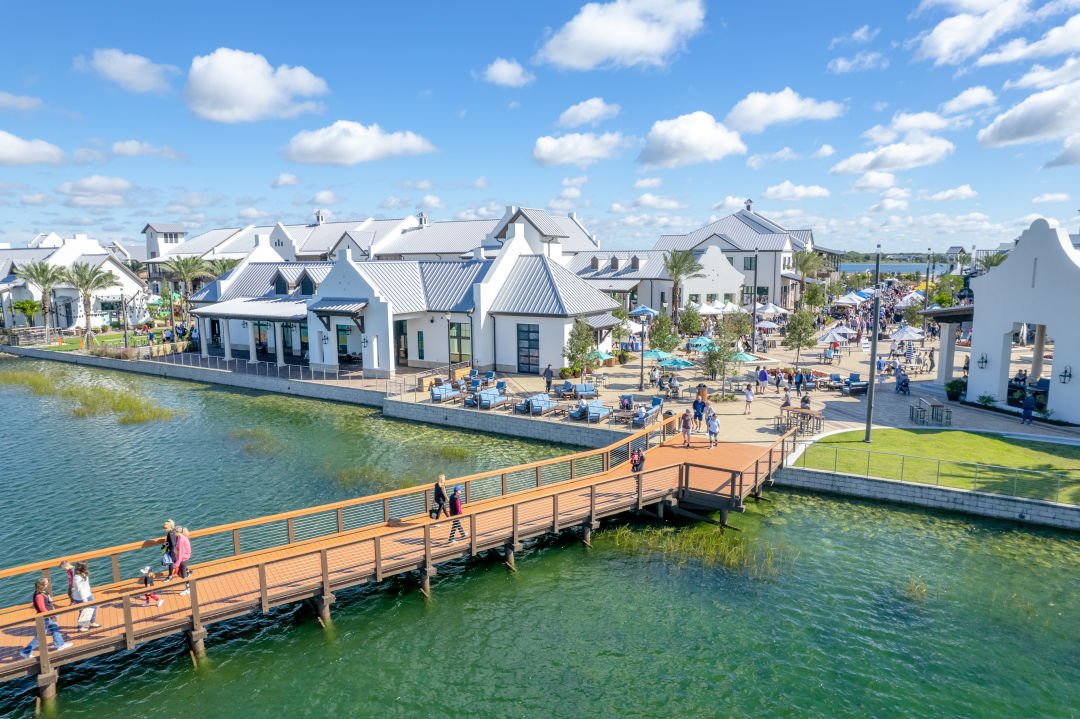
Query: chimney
{"points": [[345, 253], [749, 205], [259, 239], [478, 253], [422, 218], [573, 216], [320, 217]]}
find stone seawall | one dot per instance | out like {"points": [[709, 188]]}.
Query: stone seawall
{"points": [[965, 501]]}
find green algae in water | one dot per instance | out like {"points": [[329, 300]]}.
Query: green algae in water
{"points": [[91, 400]]}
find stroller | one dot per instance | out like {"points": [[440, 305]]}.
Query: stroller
{"points": [[903, 386]]}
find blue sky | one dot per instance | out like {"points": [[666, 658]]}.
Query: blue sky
{"points": [[913, 125]]}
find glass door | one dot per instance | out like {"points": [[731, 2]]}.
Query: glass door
{"points": [[528, 337]]}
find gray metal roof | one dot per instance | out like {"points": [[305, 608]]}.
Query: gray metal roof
{"points": [[257, 280], [339, 305], [21, 256], [602, 321], [650, 265], [608, 285], [745, 231], [543, 222], [92, 260], [165, 227], [540, 287], [199, 245], [425, 285], [280, 309], [568, 230], [449, 237]]}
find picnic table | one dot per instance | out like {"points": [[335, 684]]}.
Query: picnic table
{"points": [[805, 421]]}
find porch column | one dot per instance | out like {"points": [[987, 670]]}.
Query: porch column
{"points": [[226, 338], [204, 336], [948, 352], [279, 350], [1039, 349], [251, 342]]}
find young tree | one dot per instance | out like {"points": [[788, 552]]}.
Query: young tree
{"points": [[690, 322], [815, 296], [579, 347], [680, 265], [663, 336], [800, 332], [717, 359], [187, 270], [739, 322], [28, 309], [835, 288], [912, 316], [622, 329], [946, 288], [88, 280], [45, 277]]}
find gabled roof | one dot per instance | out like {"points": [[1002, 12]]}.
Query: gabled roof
{"points": [[443, 238], [425, 285], [257, 280], [650, 265], [539, 286], [21, 256], [567, 230], [745, 230], [163, 227]]}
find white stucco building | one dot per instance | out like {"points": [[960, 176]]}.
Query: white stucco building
{"points": [[1039, 284]]}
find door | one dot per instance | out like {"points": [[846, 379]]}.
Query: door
{"points": [[303, 339], [287, 338], [401, 341], [342, 339], [528, 349]]}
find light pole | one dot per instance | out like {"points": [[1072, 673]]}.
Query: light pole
{"points": [[449, 373], [753, 318], [123, 317], [873, 346]]}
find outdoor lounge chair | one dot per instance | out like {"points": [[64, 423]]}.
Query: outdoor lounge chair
{"points": [[474, 386], [585, 390], [443, 393], [473, 374], [474, 400], [626, 401], [566, 390], [489, 378], [853, 378], [491, 398], [530, 405], [583, 411], [542, 404], [597, 411], [836, 381], [501, 386]]}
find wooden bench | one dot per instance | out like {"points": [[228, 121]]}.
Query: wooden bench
{"points": [[936, 409], [804, 421]]}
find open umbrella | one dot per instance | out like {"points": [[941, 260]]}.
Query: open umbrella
{"points": [[676, 363], [767, 325], [704, 342], [643, 311], [656, 354], [743, 357], [832, 336], [771, 309], [599, 355], [843, 330], [728, 308], [709, 310], [907, 333]]}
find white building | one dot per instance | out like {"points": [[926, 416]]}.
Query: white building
{"points": [[1038, 285], [758, 248], [512, 312], [66, 308]]}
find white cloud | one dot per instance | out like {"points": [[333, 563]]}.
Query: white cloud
{"points": [[393, 203], [1046, 115], [178, 209], [324, 197], [136, 148], [889, 205], [861, 61], [575, 181], [898, 156], [479, 183], [623, 33], [482, 212], [1057, 41], [618, 208], [964, 192], [431, 202], [824, 151], [648, 183], [284, 180], [861, 36], [880, 135], [689, 139], [96, 191], [919, 122], [18, 102], [581, 149], [787, 190], [194, 199], [251, 213], [960, 36], [758, 110], [236, 86], [784, 154], [658, 202], [16, 151], [591, 111], [134, 73], [969, 98], [417, 184], [570, 193], [37, 199], [1048, 197], [896, 193], [561, 204], [86, 156], [1043, 77], [729, 203], [1070, 154], [348, 143], [508, 73]]}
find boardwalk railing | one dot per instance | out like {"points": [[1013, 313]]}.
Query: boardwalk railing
{"points": [[1029, 483], [706, 482], [253, 535]]}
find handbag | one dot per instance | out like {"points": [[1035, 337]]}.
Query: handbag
{"points": [[433, 512], [86, 616]]}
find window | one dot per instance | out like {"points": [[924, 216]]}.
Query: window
{"points": [[460, 342], [749, 263], [307, 287], [662, 302], [710, 298], [731, 261], [420, 345], [635, 263], [595, 263], [696, 299], [528, 337], [280, 286]]}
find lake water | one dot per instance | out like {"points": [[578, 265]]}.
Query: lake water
{"points": [[891, 267], [868, 610]]}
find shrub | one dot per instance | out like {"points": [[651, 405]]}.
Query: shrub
{"points": [[623, 356], [566, 372], [986, 400]]}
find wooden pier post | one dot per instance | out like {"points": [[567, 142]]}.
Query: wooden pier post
{"points": [[46, 684], [197, 642], [425, 580]]}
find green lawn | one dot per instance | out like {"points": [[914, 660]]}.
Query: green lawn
{"points": [[949, 458]]}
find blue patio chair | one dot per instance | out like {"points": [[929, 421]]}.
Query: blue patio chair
{"points": [[542, 404], [585, 390], [566, 389], [501, 386]]}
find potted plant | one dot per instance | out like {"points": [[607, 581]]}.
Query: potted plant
{"points": [[954, 388], [565, 372]]}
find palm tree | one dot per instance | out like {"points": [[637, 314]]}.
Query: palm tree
{"points": [[680, 265], [187, 270], [45, 277], [139, 268], [989, 262], [88, 280], [222, 265], [806, 263], [28, 308]]}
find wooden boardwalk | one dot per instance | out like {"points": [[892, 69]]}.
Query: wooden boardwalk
{"points": [[308, 554]]}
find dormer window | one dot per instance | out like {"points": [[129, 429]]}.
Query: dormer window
{"points": [[307, 287], [635, 263], [281, 287], [595, 263]]}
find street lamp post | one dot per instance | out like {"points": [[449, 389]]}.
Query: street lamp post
{"points": [[873, 346], [123, 317], [926, 293], [449, 373], [753, 319]]}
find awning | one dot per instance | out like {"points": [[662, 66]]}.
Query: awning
{"points": [[351, 306], [247, 309], [602, 321]]}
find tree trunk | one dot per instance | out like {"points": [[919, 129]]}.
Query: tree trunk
{"points": [[675, 290], [45, 313], [87, 303]]}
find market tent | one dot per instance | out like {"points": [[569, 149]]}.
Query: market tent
{"points": [[771, 309], [907, 333], [832, 336], [767, 325]]}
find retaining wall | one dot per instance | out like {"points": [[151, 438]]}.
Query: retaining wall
{"points": [[965, 501]]}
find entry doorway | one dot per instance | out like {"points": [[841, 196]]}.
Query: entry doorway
{"points": [[528, 337], [401, 342], [342, 340]]}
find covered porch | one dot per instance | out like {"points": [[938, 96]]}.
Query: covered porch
{"points": [[270, 327]]}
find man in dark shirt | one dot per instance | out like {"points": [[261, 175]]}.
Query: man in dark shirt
{"points": [[549, 375], [455, 509]]}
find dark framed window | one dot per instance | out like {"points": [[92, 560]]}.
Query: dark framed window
{"points": [[749, 263], [307, 287], [280, 286], [420, 345], [528, 340], [460, 342]]}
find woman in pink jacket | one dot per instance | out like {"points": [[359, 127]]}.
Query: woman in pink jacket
{"points": [[183, 554]]}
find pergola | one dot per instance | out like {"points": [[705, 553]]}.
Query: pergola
{"points": [[276, 312]]}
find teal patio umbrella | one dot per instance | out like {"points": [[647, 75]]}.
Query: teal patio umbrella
{"points": [[643, 311], [656, 354], [676, 363], [743, 357], [599, 355], [700, 342]]}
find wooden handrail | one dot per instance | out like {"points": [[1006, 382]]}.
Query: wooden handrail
{"points": [[382, 496]]}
